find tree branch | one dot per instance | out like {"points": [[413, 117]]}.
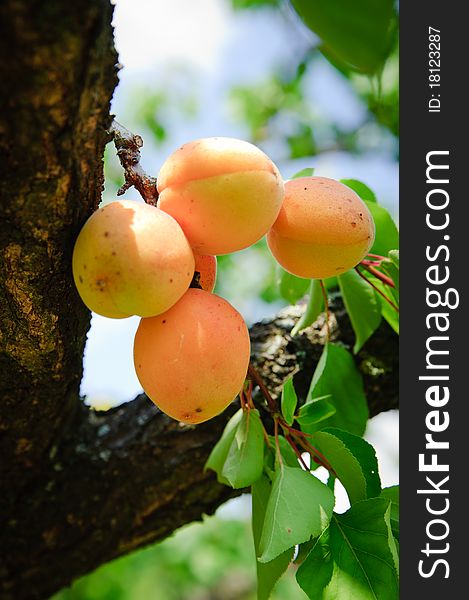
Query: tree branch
{"points": [[118, 480], [128, 147], [78, 488]]}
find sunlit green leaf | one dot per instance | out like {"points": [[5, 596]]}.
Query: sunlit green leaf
{"points": [[360, 188], [218, 455], [289, 401], [313, 308], [267, 573], [289, 457], [392, 494], [387, 235], [362, 304], [291, 287], [336, 374], [314, 412], [355, 557], [299, 507], [245, 458], [361, 36], [353, 460]]}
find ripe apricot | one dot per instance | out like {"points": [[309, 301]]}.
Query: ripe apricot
{"points": [[323, 228], [193, 359], [206, 266], [131, 259], [225, 193]]}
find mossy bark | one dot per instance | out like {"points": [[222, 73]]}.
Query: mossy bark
{"points": [[78, 488]]}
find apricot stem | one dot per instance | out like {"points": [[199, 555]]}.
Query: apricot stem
{"points": [[128, 147]]}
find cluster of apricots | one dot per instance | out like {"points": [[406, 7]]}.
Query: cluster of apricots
{"points": [[216, 196]]}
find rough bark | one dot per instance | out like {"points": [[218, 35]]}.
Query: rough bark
{"points": [[78, 488]]}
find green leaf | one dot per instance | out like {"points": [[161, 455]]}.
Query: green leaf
{"points": [[355, 558], [362, 304], [288, 455], [360, 188], [308, 172], [267, 573], [354, 461], [300, 506], [289, 401], [336, 374], [315, 572], [313, 308], [387, 235], [315, 412], [245, 458], [392, 494], [218, 455], [291, 287], [389, 313], [359, 35], [391, 267]]}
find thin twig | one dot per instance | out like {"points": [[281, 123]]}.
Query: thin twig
{"points": [[128, 150], [257, 379], [297, 452]]}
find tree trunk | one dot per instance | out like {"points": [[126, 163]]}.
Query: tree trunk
{"points": [[79, 488]]}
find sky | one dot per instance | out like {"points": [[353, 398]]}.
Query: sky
{"points": [[202, 48]]}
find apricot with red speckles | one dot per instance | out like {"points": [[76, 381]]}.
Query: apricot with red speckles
{"points": [[193, 359], [206, 267], [323, 228], [225, 193], [131, 259]]}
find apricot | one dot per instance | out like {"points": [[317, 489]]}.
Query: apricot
{"points": [[193, 359], [322, 230], [225, 193], [206, 266], [131, 259]]}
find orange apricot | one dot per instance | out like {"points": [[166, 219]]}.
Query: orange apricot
{"points": [[225, 193], [193, 359], [206, 266], [131, 259], [323, 228]]}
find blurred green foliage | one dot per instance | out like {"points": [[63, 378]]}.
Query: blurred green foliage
{"points": [[240, 4], [213, 560]]}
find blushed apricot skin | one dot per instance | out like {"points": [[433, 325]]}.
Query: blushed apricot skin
{"points": [[192, 360], [323, 228], [131, 259], [206, 266], [225, 193]]}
